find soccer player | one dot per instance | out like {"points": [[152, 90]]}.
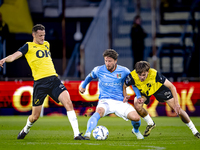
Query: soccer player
{"points": [[150, 82], [111, 78], [46, 80]]}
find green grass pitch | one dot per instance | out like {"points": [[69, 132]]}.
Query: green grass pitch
{"points": [[55, 132]]}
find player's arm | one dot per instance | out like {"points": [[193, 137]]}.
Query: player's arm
{"points": [[21, 51], [168, 84], [87, 80], [162, 79], [11, 58], [126, 96], [129, 81]]}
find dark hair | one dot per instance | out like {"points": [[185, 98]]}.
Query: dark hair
{"points": [[142, 66], [136, 17], [110, 53], [38, 27]]}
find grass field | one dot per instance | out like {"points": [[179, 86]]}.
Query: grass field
{"points": [[56, 133]]}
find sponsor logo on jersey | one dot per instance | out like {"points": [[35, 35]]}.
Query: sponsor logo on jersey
{"points": [[112, 84], [41, 53]]}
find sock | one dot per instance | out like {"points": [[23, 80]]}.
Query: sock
{"points": [[28, 126], [192, 127], [74, 122], [92, 123], [148, 120], [136, 125]]}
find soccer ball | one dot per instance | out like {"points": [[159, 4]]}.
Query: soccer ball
{"points": [[100, 133]]}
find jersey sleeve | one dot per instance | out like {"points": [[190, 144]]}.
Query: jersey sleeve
{"points": [[137, 91], [160, 78], [129, 80], [94, 73], [24, 49], [89, 77], [87, 80]]}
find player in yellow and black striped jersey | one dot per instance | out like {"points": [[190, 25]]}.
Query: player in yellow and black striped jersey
{"points": [[46, 80], [150, 82]]}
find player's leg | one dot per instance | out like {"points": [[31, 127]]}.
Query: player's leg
{"points": [[127, 112], [144, 114], [102, 109], [64, 98], [59, 93], [184, 117], [93, 121], [38, 99], [136, 122], [36, 110]]}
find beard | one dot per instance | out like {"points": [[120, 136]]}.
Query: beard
{"points": [[110, 68]]}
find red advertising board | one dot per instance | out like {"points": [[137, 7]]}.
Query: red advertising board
{"points": [[16, 99]]}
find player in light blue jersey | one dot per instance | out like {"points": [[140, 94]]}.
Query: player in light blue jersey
{"points": [[113, 97]]}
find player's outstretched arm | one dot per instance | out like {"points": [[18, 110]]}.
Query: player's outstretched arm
{"points": [[10, 58], [84, 84]]}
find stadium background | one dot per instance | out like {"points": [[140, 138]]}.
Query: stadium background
{"points": [[173, 35]]}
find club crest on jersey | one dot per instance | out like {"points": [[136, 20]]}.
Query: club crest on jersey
{"points": [[119, 75], [36, 101]]}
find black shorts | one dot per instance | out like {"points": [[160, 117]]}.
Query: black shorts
{"points": [[163, 94], [51, 86]]}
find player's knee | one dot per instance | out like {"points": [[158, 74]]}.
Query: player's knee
{"points": [[137, 118], [134, 116], [35, 117], [100, 111]]}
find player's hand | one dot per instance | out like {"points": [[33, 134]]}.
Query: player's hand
{"points": [[81, 90], [2, 61], [141, 100], [177, 109], [126, 98]]}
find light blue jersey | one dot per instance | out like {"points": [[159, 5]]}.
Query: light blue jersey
{"points": [[110, 83]]}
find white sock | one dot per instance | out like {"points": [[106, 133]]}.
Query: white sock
{"points": [[192, 127], [28, 126], [148, 120], [74, 123]]}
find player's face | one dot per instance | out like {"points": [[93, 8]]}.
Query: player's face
{"points": [[143, 76], [110, 63], [39, 36]]}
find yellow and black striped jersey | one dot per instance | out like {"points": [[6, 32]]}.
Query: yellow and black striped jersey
{"points": [[148, 87], [39, 59]]}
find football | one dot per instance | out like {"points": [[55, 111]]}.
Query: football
{"points": [[100, 133]]}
